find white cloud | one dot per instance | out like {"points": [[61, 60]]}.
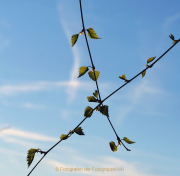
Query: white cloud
{"points": [[27, 105], [138, 93], [145, 88], [141, 90], [27, 135], [130, 168], [40, 86], [66, 22], [19, 142], [32, 106], [14, 89]]}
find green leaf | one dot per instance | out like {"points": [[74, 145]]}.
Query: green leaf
{"points": [[82, 71], [113, 146], [64, 136], [74, 39], [171, 36], [88, 111], [92, 34], [92, 99], [123, 77], [174, 41], [95, 93], [128, 141], [79, 131], [91, 75], [143, 73], [104, 110], [30, 155], [150, 59]]}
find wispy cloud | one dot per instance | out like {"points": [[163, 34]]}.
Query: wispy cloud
{"points": [[40, 86], [145, 88], [27, 135], [137, 94], [129, 168], [66, 21], [26, 105], [32, 106], [5, 128], [15, 89], [18, 142]]}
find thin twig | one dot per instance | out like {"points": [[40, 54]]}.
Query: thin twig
{"points": [[140, 72], [98, 93], [89, 49]]}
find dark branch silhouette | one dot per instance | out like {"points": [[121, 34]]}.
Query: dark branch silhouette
{"points": [[100, 101]]}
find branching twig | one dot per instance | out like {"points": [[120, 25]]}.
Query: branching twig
{"points": [[100, 101]]}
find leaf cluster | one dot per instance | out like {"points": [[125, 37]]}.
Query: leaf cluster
{"points": [[113, 146], [91, 33], [172, 37], [93, 75]]}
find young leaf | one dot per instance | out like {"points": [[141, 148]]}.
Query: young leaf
{"points": [[74, 39], [150, 59], [88, 111], [128, 141], [171, 36], [91, 75], [30, 155], [92, 99], [92, 34], [63, 137], [174, 41], [95, 93], [82, 71], [104, 110], [123, 77], [79, 131], [113, 146], [143, 73]]}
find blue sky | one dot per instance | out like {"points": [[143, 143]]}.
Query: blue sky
{"points": [[41, 97]]}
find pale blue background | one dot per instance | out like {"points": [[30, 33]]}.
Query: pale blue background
{"points": [[41, 97]]}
